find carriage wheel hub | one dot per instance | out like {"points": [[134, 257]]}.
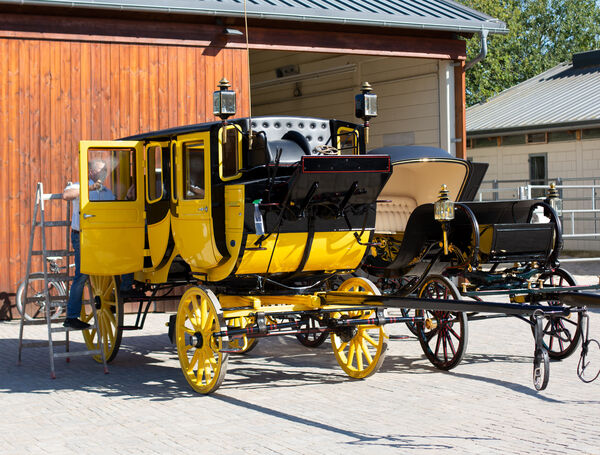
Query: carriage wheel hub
{"points": [[430, 324], [98, 302], [196, 340], [346, 333]]}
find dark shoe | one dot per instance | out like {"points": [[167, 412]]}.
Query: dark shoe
{"points": [[76, 324]]}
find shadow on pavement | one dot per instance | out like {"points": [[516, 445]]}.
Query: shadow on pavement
{"points": [[357, 438]]}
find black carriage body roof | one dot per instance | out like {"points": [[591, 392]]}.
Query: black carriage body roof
{"points": [[274, 126]]}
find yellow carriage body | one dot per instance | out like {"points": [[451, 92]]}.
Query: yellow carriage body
{"points": [[209, 202]]}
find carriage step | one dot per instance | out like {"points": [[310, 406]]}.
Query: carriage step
{"points": [[129, 327], [76, 353], [61, 253]]}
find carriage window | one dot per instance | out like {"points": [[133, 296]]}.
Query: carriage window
{"points": [[113, 170], [154, 176], [347, 141], [193, 170], [229, 154]]}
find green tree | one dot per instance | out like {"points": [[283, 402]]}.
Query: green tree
{"points": [[542, 33]]}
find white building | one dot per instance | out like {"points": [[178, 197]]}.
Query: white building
{"points": [[543, 130]]}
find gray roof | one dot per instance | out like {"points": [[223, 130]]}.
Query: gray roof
{"points": [[420, 14], [567, 95]]}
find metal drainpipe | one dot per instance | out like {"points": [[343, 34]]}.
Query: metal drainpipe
{"points": [[482, 52]]}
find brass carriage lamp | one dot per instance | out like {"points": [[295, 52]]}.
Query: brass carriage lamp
{"points": [[553, 200], [224, 104], [443, 211], [444, 207], [365, 106]]}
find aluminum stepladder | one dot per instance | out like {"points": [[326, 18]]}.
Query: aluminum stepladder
{"points": [[54, 301]]}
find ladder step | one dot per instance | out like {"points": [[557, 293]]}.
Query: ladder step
{"points": [[48, 196], [39, 321], [53, 223], [76, 353], [53, 253], [51, 276], [42, 298], [42, 344]]}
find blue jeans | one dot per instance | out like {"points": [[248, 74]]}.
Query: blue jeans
{"points": [[76, 291]]}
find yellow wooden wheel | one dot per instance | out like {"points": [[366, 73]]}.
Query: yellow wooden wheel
{"points": [[242, 344], [359, 349], [199, 316], [103, 291]]}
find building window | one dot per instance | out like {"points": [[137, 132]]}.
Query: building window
{"points": [[559, 136], [537, 138], [538, 173], [517, 139], [485, 142], [591, 133]]}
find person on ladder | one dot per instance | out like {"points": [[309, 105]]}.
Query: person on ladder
{"points": [[98, 192]]}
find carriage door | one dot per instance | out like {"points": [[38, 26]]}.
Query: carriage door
{"points": [[192, 218], [157, 202], [111, 217]]}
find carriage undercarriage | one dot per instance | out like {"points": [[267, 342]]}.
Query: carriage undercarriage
{"points": [[209, 327]]}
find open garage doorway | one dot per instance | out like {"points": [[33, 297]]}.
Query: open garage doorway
{"points": [[415, 95]]}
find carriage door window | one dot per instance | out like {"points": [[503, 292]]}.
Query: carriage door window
{"points": [[230, 153], [113, 173], [193, 170], [154, 175], [347, 141], [538, 173]]}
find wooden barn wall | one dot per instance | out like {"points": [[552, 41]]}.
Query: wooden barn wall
{"points": [[407, 89], [55, 93]]}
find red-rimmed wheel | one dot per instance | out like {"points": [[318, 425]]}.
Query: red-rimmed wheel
{"points": [[561, 333], [443, 334]]}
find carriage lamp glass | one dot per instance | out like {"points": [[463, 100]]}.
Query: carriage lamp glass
{"points": [[365, 106], [365, 103], [443, 208], [224, 100], [555, 202]]}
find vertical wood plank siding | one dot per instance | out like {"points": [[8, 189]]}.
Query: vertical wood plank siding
{"points": [[55, 93]]}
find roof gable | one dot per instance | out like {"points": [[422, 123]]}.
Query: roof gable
{"points": [[566, 95]]}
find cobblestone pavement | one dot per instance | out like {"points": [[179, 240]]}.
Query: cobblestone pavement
{"points": [[283, 398]]}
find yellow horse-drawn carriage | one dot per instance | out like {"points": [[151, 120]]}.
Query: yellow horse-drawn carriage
{"points": [[259, 218]]}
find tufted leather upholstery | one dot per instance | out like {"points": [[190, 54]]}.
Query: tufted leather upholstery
{"points": [[393, 216], [316, 131]]}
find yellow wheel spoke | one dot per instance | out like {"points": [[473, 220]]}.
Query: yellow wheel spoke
{"points": [[365, 349], [351, 353], [367, 337], [359, 357], [342, 347], [193, 361]]}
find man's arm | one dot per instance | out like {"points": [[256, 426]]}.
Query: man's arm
{"points": [[72, 191]]}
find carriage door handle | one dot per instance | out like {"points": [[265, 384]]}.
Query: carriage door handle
{"points": [[86, 215], [203, 209]]}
